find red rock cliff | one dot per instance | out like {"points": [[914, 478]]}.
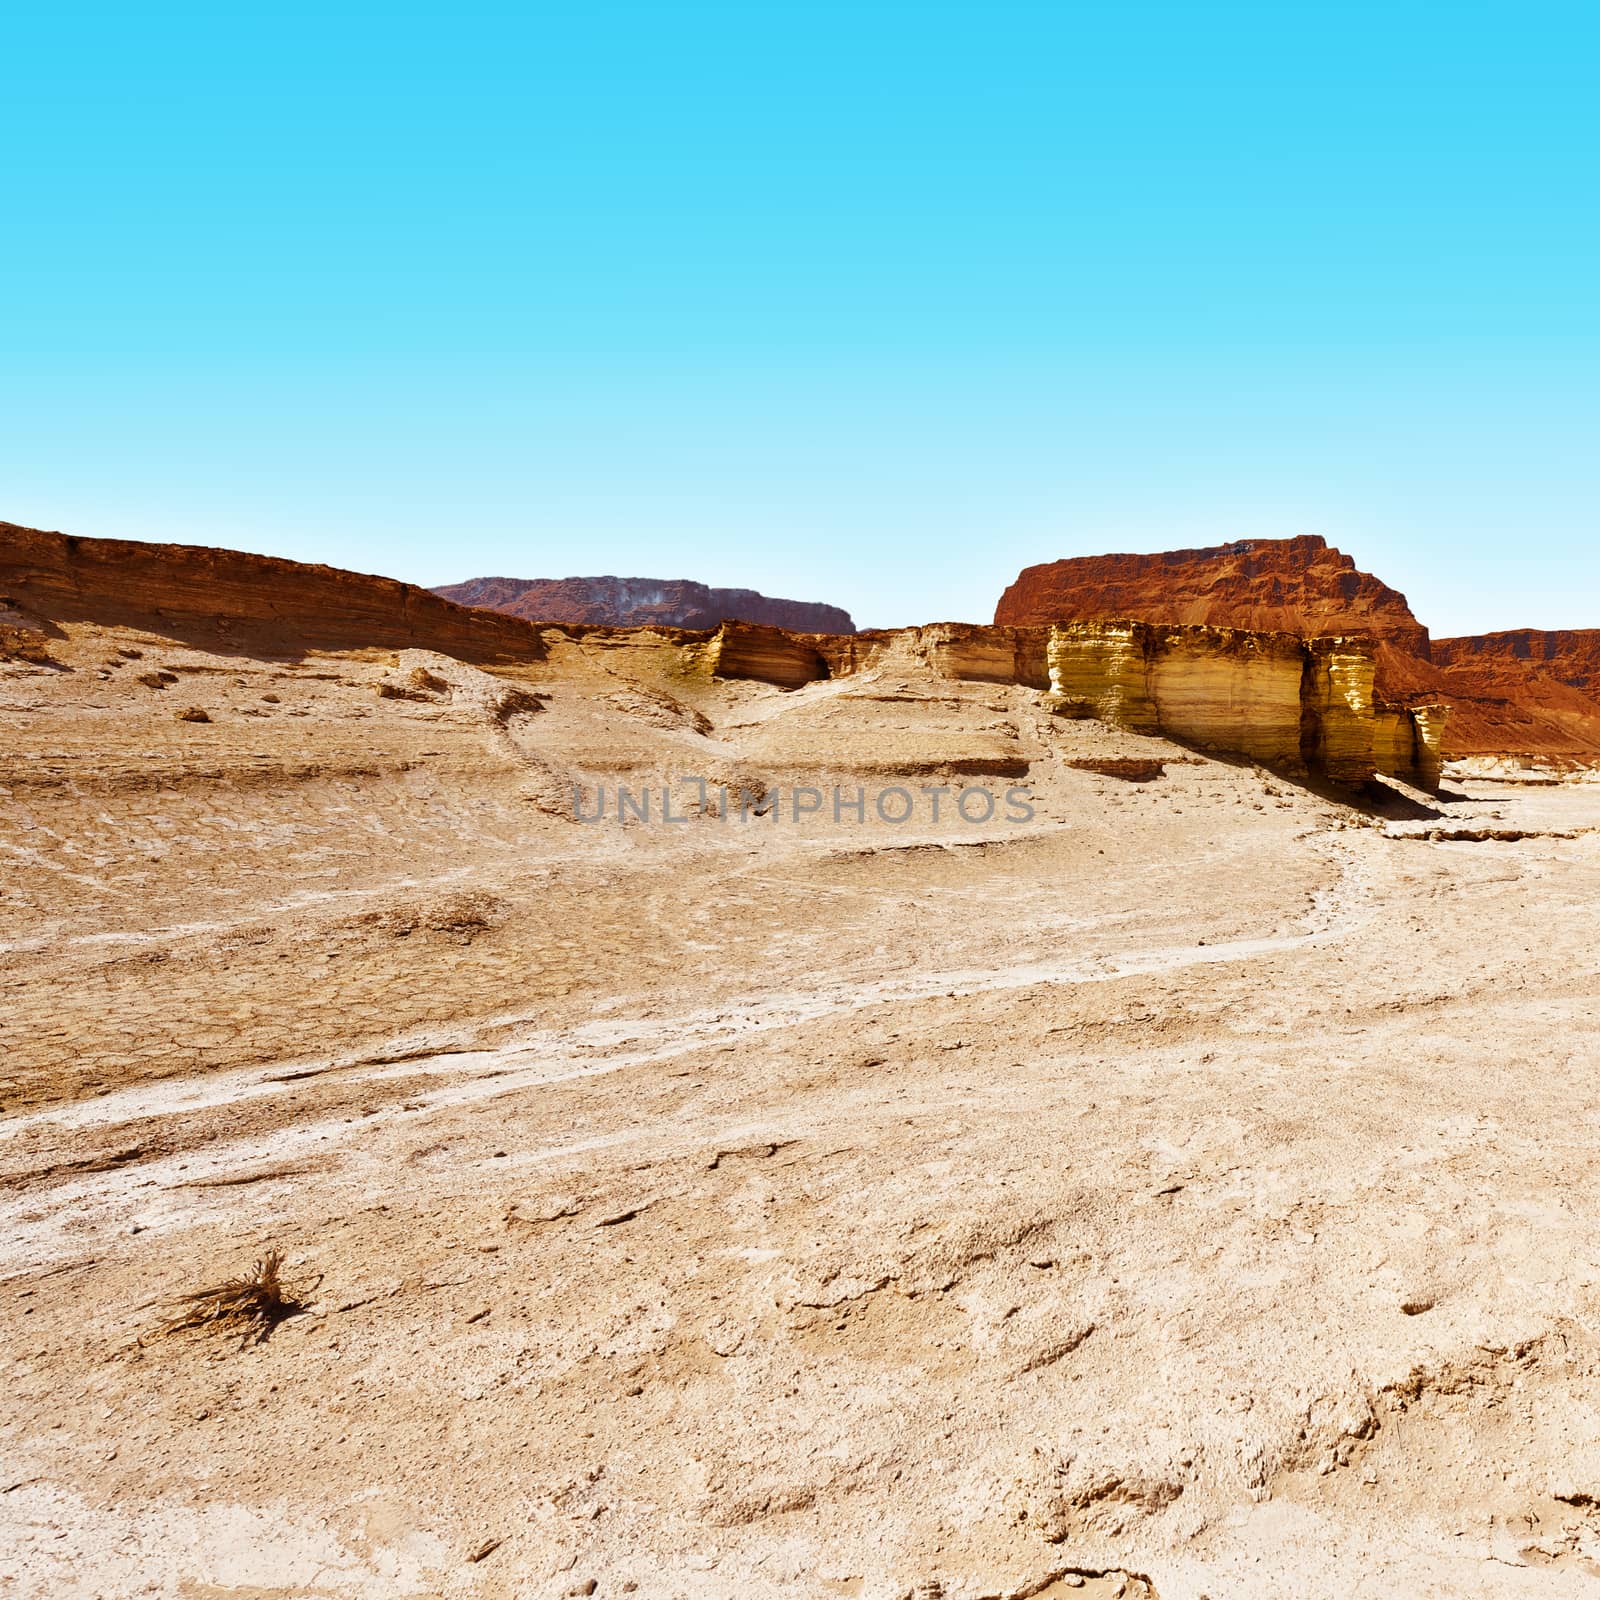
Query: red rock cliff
{"points": [[219, 598], [1525, 692], [1284, 585], [1570, 655]]}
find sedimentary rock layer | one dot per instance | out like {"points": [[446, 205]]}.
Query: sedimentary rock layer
{"points": [[1297, 705], [1570, 654], [637, 602], [216, 598], [1301, 586], [1289, 703], [747, 650], [1526, 692], [947, 650]]}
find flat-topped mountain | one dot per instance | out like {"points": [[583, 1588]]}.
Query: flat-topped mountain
{"points": [[1300, 585], [1528, 691], [636, 602]]}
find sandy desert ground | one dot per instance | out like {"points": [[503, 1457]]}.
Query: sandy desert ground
{"points": [[1190, 1192]]}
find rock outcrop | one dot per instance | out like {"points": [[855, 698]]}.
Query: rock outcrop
{"points": [[1298, 703], [1292, 704], [747, 650], [1526, 693], [947, 650], [638, 602], [1301, 586], [227, 598]]}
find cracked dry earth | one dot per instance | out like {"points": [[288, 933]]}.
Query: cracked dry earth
{"points": [[1188, 1193]]}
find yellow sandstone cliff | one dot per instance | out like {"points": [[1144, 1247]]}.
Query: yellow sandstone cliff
{"points": [[1296, 705]]}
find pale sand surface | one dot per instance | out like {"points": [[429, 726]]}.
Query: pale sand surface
{"points": [[1192, 1192]]}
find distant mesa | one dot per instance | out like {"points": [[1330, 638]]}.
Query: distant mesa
{"points": [[1527, 692], [1569, 655], [638, 602]]}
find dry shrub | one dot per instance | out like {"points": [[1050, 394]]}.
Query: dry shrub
{"points": [[460, 914], [251, 1305]]}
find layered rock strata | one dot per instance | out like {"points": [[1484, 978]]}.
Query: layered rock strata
{"points": [[1293, 704], [1530, 692], [1300, 585], [1571, 655], [747, 650], [222, 599], [946, 649], [1290, 703], [1526, 692]]}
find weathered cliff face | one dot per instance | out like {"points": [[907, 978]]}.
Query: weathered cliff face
{"points": [[1571, 655], [1296, 705], [1300, 586], [226, 598], [1525, 693], [748, 650], [947, 650], [1290, 703], [1528, 694], [637, 602]]}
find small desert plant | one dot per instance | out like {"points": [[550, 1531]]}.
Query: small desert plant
{"points": [[251, 1305]]}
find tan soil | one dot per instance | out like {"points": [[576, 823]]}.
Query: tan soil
{"points": [[1192, 1192]]}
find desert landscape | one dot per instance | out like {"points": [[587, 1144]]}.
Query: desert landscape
{"points": [[1173, 1179]]}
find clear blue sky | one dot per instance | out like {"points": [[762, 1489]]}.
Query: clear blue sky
{"points": [[871, 303]]}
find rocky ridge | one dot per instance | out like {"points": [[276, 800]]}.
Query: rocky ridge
{"points": [[229, 598], [1301, 706], [1570, 655], [1527, 696], [642, 602], [1526, 692]]}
